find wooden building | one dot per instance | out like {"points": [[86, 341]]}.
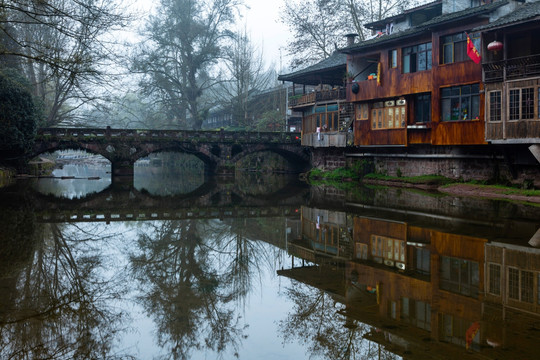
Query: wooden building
{"points": [[416, 283], [431, 86], [416, 82], [511, 67], [327, 116]]}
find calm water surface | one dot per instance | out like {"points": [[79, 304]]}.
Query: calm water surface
{"points": [[262, 267]]}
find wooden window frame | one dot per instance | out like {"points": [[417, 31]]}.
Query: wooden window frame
{"points": [[494, 279], [457, 40], [392, 59], [517, 103], [418, 99], [461, 98], [415, 54], [492, 107], [389, 117]]}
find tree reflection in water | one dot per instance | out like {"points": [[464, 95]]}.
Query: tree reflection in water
{"points": [[55, 305], [318, 323], [194, 277]]}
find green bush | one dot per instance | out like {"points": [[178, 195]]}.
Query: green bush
{"points": [[18, 116]]}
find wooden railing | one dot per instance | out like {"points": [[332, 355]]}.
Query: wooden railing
{"points": [[511, 69], [87, 134], [313, 97]]}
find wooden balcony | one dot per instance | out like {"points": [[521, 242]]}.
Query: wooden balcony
{"points": [[512, 69], [317, 96]]}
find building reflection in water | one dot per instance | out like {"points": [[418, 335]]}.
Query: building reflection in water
{"points": [[431, 287]]}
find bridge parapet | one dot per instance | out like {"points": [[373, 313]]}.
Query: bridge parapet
{"points": [[243, 137], [219, 150]]}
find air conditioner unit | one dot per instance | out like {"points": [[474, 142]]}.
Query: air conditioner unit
{"points": [[388, 262]]}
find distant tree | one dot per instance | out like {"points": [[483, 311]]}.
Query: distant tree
{"points": [[61, 47], [272, 120], [244, 74], [365, 11], [127, 111], [19, 116], [184, 42], [319, 26]]}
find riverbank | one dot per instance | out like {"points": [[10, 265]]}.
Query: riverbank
{"points": [[6, 175], [432, 182]]}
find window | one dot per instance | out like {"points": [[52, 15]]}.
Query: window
{"points": [[494, 279], [460, 276], [422, 108], [387, 248], [513, 283], [495, 105], [527, 286], [454, 47], [521, 103], [392, 59], [417, 313], [362, 111], [422, 260], [521, 285], [389, 115], [417, 58], [460, 102]]}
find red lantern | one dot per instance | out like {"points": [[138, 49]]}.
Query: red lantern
{"points": [[495, 46]]}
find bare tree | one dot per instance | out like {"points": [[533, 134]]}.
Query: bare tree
{"points": [[61, 48], [320, 26], [184, 42], [317, 27], [366, 11], [245, 74]]}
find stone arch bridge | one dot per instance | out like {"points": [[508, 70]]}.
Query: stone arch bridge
{"points": [[219, 150]]}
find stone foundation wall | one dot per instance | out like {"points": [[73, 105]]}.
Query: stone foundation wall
{"points": [[496, 170], [514, 165], [328, 158]]}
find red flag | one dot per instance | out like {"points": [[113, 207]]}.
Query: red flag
{"points": [[472, 51], [471, 333]]}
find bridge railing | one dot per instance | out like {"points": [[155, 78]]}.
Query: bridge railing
{"points": [[181, 135]]}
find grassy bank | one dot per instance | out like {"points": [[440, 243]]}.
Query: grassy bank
{"points": [[6, 176], [347, 177]]}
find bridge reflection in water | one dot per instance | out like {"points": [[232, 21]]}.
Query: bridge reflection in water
{"points": [[428, 285], [408, 274]]}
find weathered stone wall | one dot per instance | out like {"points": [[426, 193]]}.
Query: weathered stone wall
{"points": [[514, 165], [481, 169], [328, 158]]}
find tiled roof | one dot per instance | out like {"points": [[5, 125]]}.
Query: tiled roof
{"points": [[524, 12], [333, 62], [470, 12], [426, 26]]}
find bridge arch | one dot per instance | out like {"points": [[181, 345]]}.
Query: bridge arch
{"points": [[298, 160], [209, 159], [219, 150]]}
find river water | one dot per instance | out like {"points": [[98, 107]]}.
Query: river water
{"points": [[179, 266]]}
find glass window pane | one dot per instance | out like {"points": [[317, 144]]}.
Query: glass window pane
{"points": [[475, 107], [448, 54], [465, 109], [446, 110], [455, 109], [422, 62], [407, 64]]}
